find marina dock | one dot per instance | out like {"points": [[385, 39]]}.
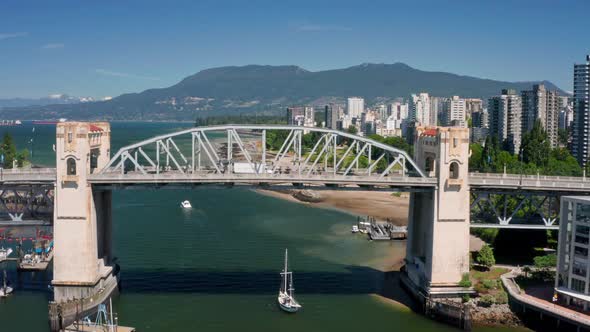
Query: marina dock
{"points": [[10, 259], [381, 230], [35, 264], [98, 328]]}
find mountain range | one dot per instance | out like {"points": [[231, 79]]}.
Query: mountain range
{"points": [[54, 99], [269, 90]]}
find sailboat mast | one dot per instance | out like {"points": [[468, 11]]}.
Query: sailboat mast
{"points": [[285, 271]]}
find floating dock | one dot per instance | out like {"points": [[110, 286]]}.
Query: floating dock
{"points": [[381, 230], [98, 328], [35, 265]]}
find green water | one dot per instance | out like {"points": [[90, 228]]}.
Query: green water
{"points": [[215, 267]]}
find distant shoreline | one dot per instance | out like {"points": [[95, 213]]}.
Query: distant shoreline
{"points": [[97, 120]]}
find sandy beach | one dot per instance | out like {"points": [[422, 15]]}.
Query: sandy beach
{"points": [[379, 204]]}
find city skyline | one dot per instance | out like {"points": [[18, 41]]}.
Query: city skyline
{"points": [[150, 45]]}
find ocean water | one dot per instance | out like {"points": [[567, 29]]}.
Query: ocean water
{"points": [[216, 266]]}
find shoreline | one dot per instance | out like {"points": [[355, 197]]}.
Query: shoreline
{"points": [[379, 204]]}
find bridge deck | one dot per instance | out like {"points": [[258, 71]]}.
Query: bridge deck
{"points": [[27, 176], [263, 179], [529, 182], [476, 180]]}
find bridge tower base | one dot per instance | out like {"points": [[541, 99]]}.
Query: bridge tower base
{"points": [[437, 253], [83, 273]]}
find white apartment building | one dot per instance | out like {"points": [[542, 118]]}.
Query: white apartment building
{"points": [[543, 105], [505, 115], [573, 262], [355, 107], [420, 109], [456, 112], [381, 111], [398, 110]]}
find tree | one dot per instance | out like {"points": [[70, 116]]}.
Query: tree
{"points": [[563, 136], [352, 130], [8, 149], [395, 141], [21, 157], [475, 159], [545, 262], [485, 256], [490, 150], [535, 147]]}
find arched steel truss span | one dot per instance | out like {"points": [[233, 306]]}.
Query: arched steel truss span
{"points": [[261, 152]]}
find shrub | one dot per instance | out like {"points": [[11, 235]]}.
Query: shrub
{"points": [[465, 298], [545, 262], [487, 234], [489, 284], [486, 300], [502, 297], [485, 256], [480, 289], [465, 281]]}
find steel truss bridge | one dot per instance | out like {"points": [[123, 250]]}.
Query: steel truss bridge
{"points": [[274, 156]]}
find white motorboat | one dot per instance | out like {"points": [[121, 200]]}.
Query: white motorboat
{"points": [[5, 290], [355, 229], [4, 253], [186, 204], [286, 299]]}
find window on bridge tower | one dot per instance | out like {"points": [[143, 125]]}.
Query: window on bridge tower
{"points": [[71, 166], [454, 170], [429, 167]]}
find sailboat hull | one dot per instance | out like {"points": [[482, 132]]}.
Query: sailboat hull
{"points": [[5, 292], [288, 303], [289, 309]]}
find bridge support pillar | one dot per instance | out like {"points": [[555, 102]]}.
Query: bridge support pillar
{"points": [[82, 264], [437, 252]]}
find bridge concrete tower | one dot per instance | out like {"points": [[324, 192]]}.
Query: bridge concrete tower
{"points": [[82, 216], [437, 252]]}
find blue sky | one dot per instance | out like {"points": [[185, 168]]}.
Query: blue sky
{"points": [[106, 48]]}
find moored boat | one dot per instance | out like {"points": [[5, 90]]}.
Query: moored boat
{"points": [[286, 299], [4, 253], [5, 290], [186, 204]]}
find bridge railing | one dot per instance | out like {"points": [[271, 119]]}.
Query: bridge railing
{"points": [[531, 181], [528, 176], [24, 175]]}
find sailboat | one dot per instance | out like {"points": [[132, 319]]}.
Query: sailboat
{"points": [[5, 290], [286, 300], [4, 253]]}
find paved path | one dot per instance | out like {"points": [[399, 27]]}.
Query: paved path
{"points": [[544, 306]]}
